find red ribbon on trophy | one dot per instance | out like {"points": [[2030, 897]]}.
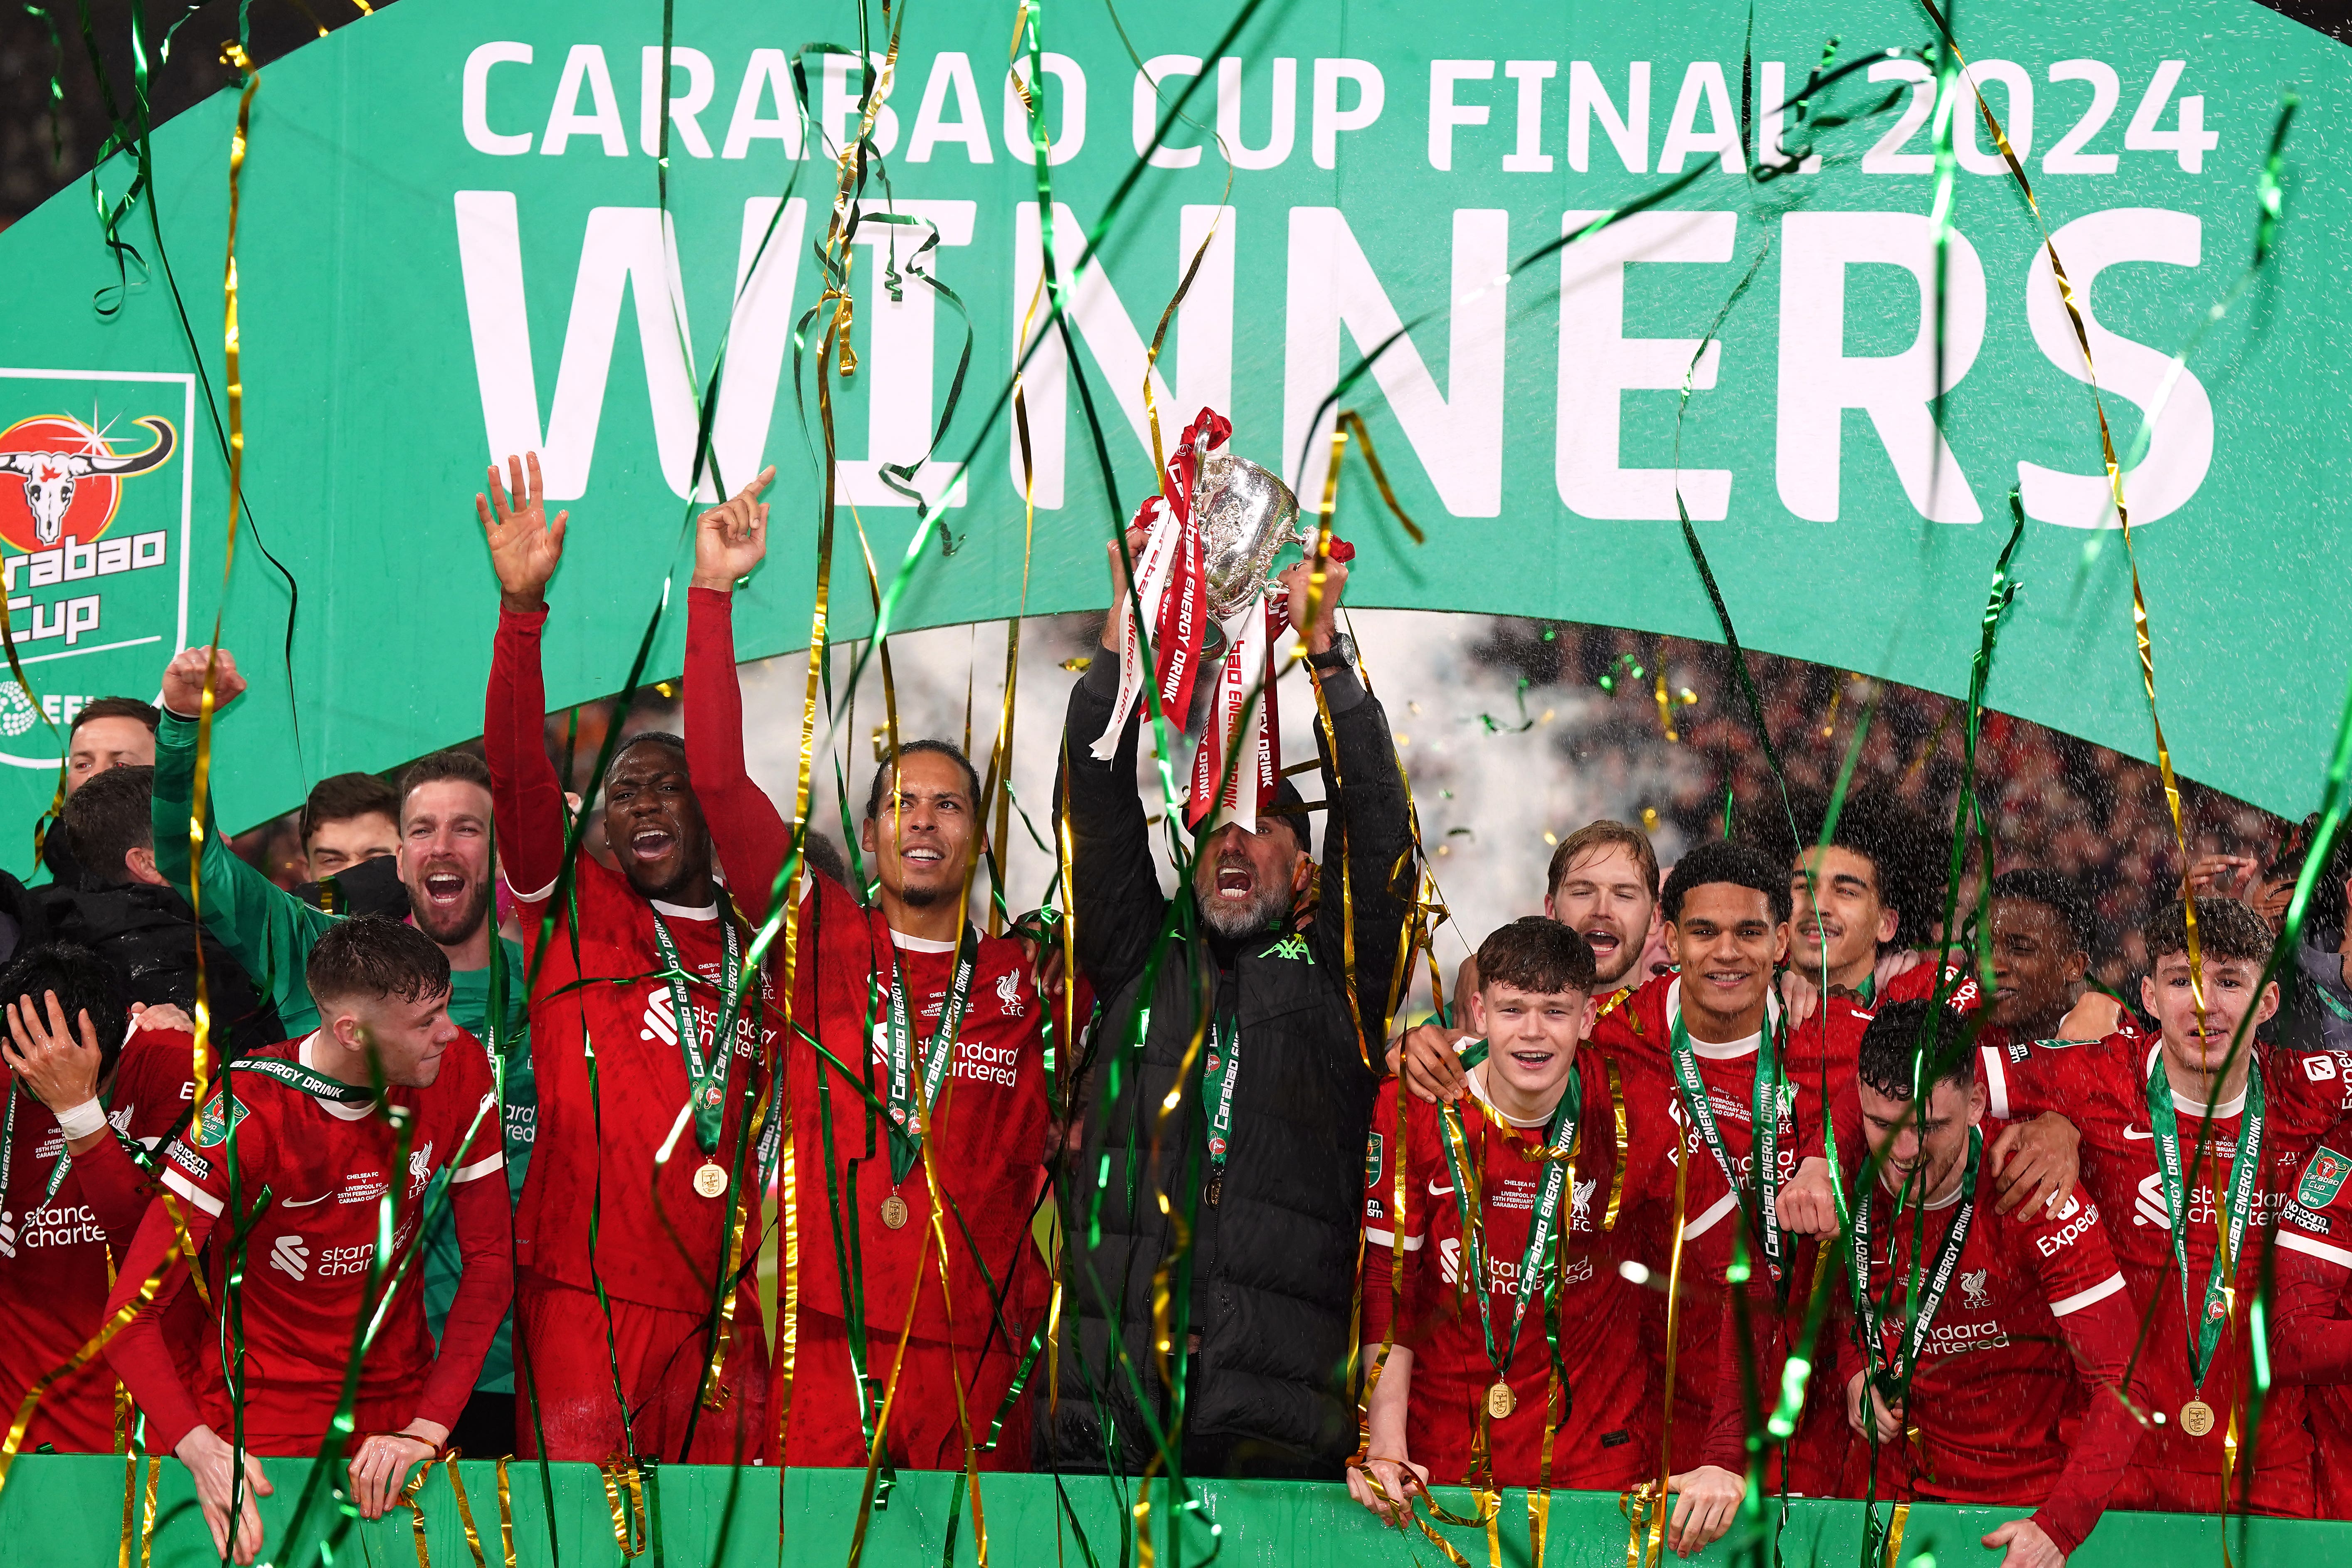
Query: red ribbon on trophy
{"points": [[1170, 586]]}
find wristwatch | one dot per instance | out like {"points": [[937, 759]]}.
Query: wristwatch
{"points": [[1340, 655]]}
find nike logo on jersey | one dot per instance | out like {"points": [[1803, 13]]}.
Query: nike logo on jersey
{"points": [[305, 1202], [2134, 1135], [1437, 1192]]}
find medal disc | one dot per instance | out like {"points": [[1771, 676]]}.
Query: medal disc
{"points": [[710, 1181], [894, 1211], [2197, 1418], [1500, 1400]]}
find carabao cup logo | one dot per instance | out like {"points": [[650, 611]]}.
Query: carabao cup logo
{"points": [[59, 476]]}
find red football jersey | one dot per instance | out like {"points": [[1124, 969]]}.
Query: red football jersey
{"points": [[989, 1145], [1641, 1032], [2102, 1088], [1996, 1393], [660, 1242], [55, 1252], [327, 1167], [1609, 1437], [2314, 1282]]}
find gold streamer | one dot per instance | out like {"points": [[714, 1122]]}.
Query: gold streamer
{"points": [[417, 1512], [147, 1513], [505, 1515], [465, 1510], [129, 1507], [81, 1358], [1894, 1523], [629, 1515]]}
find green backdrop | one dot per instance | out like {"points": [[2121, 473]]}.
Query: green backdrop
{"points": [[449, 249], [69, 1512]]}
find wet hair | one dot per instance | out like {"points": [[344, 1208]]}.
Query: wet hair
{"points": [[2226, 928], [1598, 837], [107, 818], [2061, 895], [1536, 954], [115, 708], [83, 982], [434, 768], [345, 796], [1891, 1050], [1727, 860], [947, 749], [371, 956]]}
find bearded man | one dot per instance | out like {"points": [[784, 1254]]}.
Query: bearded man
{"points": [[1228, 1096]]}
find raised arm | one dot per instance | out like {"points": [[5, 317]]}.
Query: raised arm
{"points": [[1366, 828], [527, 797], [268, 930], [1115, 886], [750, 833]]}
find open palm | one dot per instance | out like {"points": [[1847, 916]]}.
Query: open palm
{"points": [[525, 548]]}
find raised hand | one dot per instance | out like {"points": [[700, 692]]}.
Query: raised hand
{"points": [[730, 540], [1137, 538], [525, 548], [184, 680], [1298, 582]]}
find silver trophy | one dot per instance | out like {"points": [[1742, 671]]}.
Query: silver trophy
{"points": [[1246, 516]]}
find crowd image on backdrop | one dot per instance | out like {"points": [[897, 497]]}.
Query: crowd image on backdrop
{"points": [[1181, 1140]]}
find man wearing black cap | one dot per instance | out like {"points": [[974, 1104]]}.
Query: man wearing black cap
{"points": [[1227, 1103]]}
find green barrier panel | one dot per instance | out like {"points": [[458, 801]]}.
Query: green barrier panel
{"points": [[66, 1511]]}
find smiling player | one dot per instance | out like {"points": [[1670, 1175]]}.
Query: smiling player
{"points": [[641, 1110]]}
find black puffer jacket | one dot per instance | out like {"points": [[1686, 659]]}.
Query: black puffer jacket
{"points": [[147, 935], [1269, 1280]]}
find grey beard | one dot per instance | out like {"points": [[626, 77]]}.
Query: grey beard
{"points": [[1269, 909]]}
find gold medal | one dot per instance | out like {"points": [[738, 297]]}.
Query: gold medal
{"points": [[894, 1211], [1500, 1400], [712, 1180], [2197, 1418]]}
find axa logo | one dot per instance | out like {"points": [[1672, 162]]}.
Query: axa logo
{"points": [[68, 472], [291, 1257], [1008, 992]]}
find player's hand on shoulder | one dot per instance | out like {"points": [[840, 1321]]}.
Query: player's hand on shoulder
{"points": [[1429, 1064], [2095, 1017], [1397, 1479], [167, 1018], [2024, 1544], [1800, 995], [2036, 1164]]}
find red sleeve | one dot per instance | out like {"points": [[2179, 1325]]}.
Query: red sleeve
{"points": [[1761, 1347], [746, 829], [1385, 1157], [2087, 1294], [116, 1189], [2309, 1340], [526, 796], [485, 1287], [138, 1353]]}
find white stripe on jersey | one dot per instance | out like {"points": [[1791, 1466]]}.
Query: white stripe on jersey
{"points": [[190, 1191], [1706, 1222], [1996, 1082], [2295, 1241], [479, 1168], [2082, 1299], [1388, 1238]]}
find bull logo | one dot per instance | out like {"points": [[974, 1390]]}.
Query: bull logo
{"points": [[56, 457]]}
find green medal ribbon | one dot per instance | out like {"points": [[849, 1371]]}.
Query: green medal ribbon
{"points": [[1923, 1298], [706, 1074], [1764, 1139], [909, 1114], [294, 1075], [2205, 1329], [1559, 1137], [1224, 1068]]}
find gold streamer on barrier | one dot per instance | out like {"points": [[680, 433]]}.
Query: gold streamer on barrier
{"points": [[1894, 1524], [625, 1495], [129, 1507], [465, 1510], [1647, 1545], [81, 1358], [505, 1515], [147, 1513], [417, 1512]]}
